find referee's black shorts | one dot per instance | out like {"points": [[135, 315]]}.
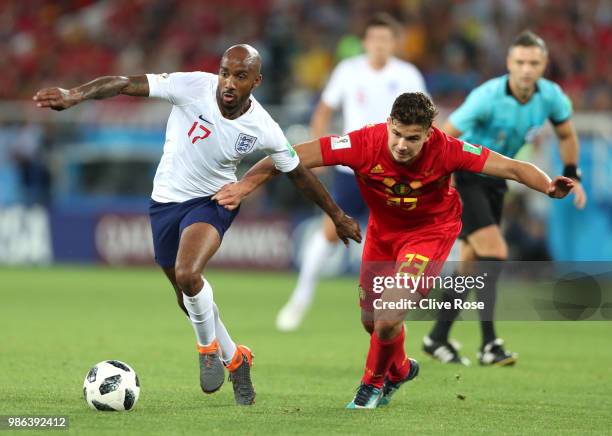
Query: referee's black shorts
{"points": [[483, 201]]}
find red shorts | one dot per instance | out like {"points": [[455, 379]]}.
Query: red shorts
{"points": [[421, 251]]}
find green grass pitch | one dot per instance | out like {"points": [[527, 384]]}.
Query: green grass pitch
{"points": [[55, 323]]}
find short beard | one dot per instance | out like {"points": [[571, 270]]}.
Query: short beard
{"points": [[233, 108]]}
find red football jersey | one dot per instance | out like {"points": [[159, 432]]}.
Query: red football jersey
{"points": [[402, 197]]}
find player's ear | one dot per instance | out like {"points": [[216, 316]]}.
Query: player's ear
{"points": [[257, 81], [545, 60]]}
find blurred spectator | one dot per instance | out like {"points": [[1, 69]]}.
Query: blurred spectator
{"points": [[457, 43]]}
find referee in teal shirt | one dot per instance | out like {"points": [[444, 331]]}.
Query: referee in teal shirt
{"points": [[502, 114]]}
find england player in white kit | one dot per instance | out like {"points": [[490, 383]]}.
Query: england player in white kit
{"points": [[202, 147], [364, 88], [214, 123]]}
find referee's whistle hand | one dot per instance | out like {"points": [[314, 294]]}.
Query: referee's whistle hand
{"points": [[580, 197]]}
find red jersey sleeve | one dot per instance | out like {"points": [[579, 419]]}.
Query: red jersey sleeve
{"points": [[346, 150], [461, 155]]}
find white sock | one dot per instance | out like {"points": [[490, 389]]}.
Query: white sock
{"points": [[316, 254], [200, 309], [227, 346]]}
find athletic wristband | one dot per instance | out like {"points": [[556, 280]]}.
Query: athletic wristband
{"points": [[571, 171]]}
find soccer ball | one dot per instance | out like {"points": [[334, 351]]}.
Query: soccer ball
{"points": [[111, 385]]}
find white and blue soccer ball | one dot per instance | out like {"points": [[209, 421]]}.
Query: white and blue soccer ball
{"points": [[111, 385]]}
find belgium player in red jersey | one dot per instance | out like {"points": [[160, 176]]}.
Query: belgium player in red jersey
{"points": [[403, 169]]}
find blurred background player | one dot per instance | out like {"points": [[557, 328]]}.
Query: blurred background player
{"points": [[363, 87], [214, 123], [415, 217], [504, 114]]}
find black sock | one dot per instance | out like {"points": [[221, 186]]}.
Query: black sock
{"points": [[446, 317], [492, 266]]}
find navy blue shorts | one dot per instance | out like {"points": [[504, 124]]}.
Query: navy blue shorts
{"points": [[345, 192], [168, 220]]}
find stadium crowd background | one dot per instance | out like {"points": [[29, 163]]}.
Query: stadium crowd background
{"points": [[456, 44]]}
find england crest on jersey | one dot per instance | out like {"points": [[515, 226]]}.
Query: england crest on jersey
{"points": [[245, 143]]}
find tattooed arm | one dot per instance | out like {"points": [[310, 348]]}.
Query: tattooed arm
{"points": [[103, 87]]}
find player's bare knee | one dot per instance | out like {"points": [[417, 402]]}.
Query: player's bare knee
{"points": [[488, 242], [387, 329], [332, 239], [188, 280], [497, 251]]}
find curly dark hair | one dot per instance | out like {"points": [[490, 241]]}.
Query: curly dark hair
{"points": [[414, 108]]}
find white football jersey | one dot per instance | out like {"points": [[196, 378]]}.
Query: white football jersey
{"points": [[366, 95], [202, 147]]}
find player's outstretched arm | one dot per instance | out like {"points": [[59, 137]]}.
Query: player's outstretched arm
{"points": [[103, 87], [528, 174], [231, 195]]}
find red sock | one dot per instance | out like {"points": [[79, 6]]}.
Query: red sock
{"points": [[400, 365], [380, 357]]}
